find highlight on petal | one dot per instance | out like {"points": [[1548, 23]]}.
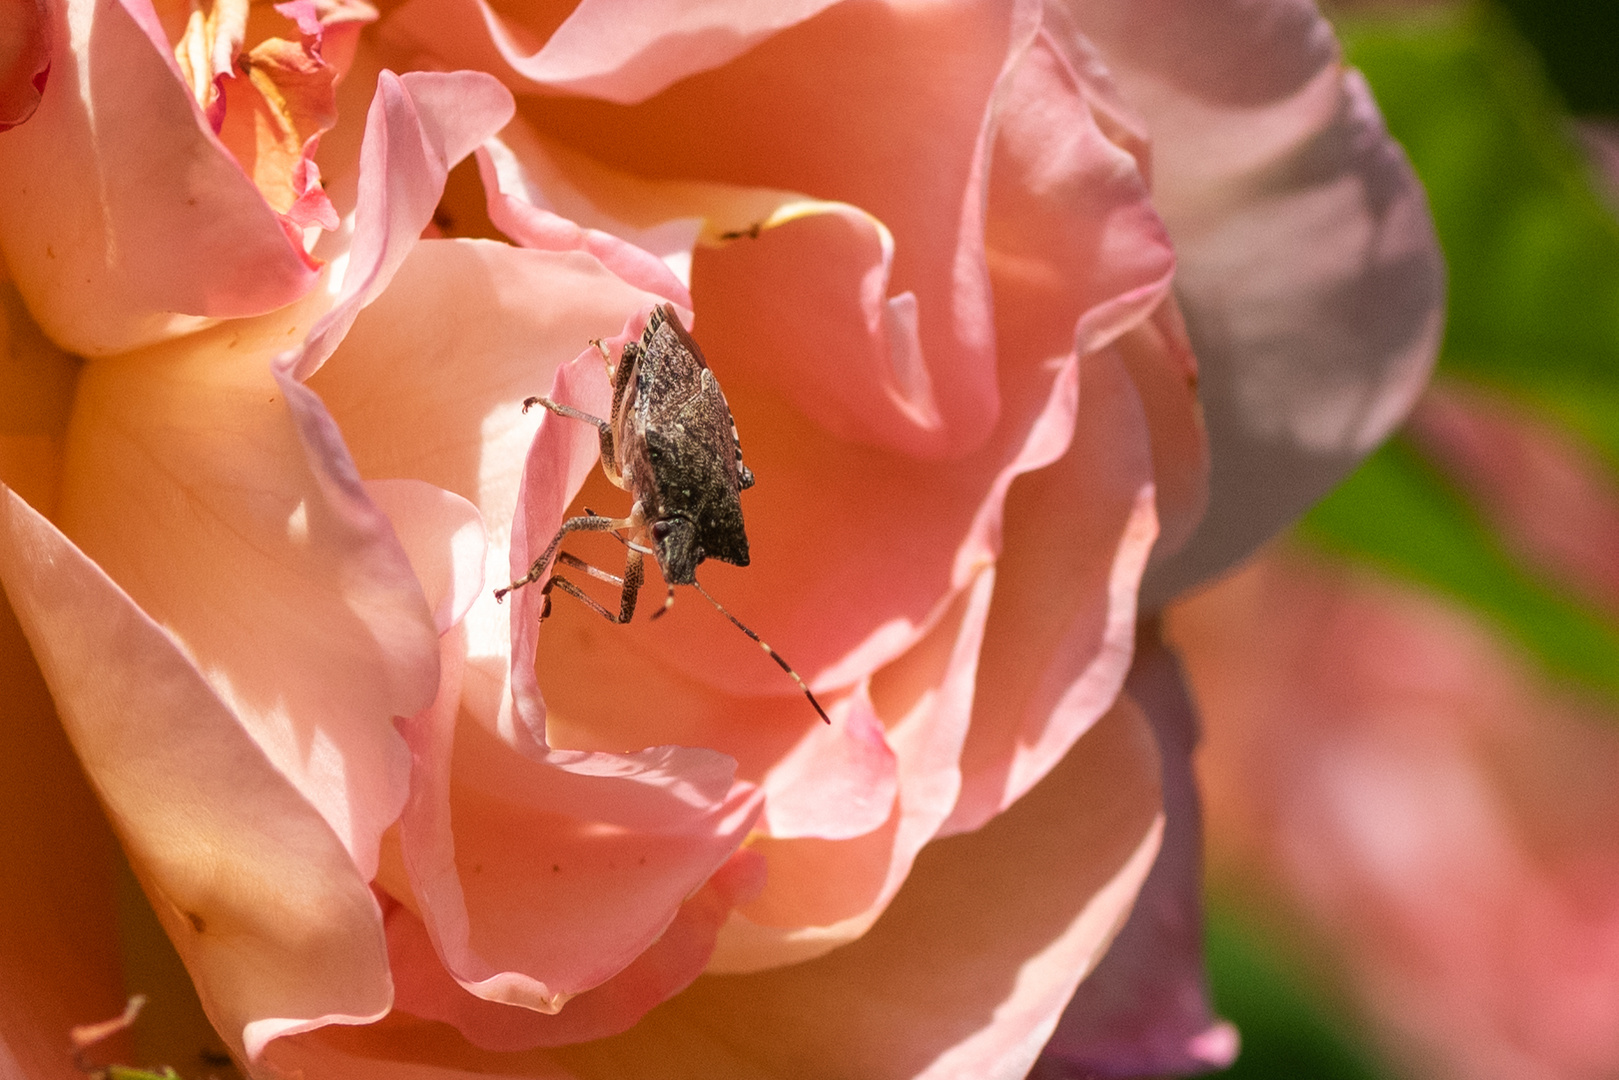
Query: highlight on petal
{"points": [[25, 58], [1145, 1010], [264, 903], [221, 498], [617, 52], [169, 231], [444, 538], [1308, 270], [420, 124]]}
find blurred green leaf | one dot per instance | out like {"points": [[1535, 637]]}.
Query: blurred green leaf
{"points": [[1533, 254], [1285, 1036]]}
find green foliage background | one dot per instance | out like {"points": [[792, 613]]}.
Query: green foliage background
{"points": [[1481, 96]]}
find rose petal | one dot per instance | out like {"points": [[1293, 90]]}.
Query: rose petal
{"points": [[444, 538], [165, 220], [59, 961], [964, 976], [543, 875], [1308, 269], [263, 901], [25, 63], [530, 202], [1145, 1010], [221, 498], [419, 125], [838, 782], [1051, 667], [623, 53], [664, 969]]}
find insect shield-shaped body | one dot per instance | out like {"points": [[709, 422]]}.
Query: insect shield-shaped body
{"points": [[671, 443], [678, 446]]}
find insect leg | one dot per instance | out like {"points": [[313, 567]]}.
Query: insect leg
{"points": [[631, 582], [589, 523], [609, 452]]}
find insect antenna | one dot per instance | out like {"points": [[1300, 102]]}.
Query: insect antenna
{"points": [[774, 655]]}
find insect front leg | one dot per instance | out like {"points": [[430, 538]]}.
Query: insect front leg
{"points": [[586, 523], [634, 575], [609, 451]]}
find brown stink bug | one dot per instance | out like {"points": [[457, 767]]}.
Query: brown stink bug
{"points": [[671, 443]]}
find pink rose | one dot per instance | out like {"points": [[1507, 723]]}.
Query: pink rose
{"points": [[270, 462]]}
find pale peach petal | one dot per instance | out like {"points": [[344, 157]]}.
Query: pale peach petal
{"points": [[59, 962], [665, 968], [1550, 498], [420, 124], [220, 497], [400, 1047], [444, 538], [1145, 1010], [260, 897], [167, 229], [1308, 269], [1050, 667], [612, 50], [25, 58]]}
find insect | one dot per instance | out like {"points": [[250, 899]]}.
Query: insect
{"points": [[671, 443]]}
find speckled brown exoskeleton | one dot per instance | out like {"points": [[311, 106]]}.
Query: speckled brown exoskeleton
{"points": [[671, 443]]}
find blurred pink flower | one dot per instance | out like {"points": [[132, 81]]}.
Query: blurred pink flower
{"points": [[1425, 816], [266, 460]]}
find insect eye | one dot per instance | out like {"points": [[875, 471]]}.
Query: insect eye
{"points": [[660, 529]]}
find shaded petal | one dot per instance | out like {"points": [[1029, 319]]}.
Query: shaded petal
{"points": [[220, 497], [25, 62], [262, 900], [419, 125], [1050, 667], [36, 398], [1145, 1010], [602, 48], [1308, 272], [59, 962], [167, 229]]}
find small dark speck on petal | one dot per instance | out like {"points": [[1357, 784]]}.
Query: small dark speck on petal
{"points": [[555, 869], [196, 921]]}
